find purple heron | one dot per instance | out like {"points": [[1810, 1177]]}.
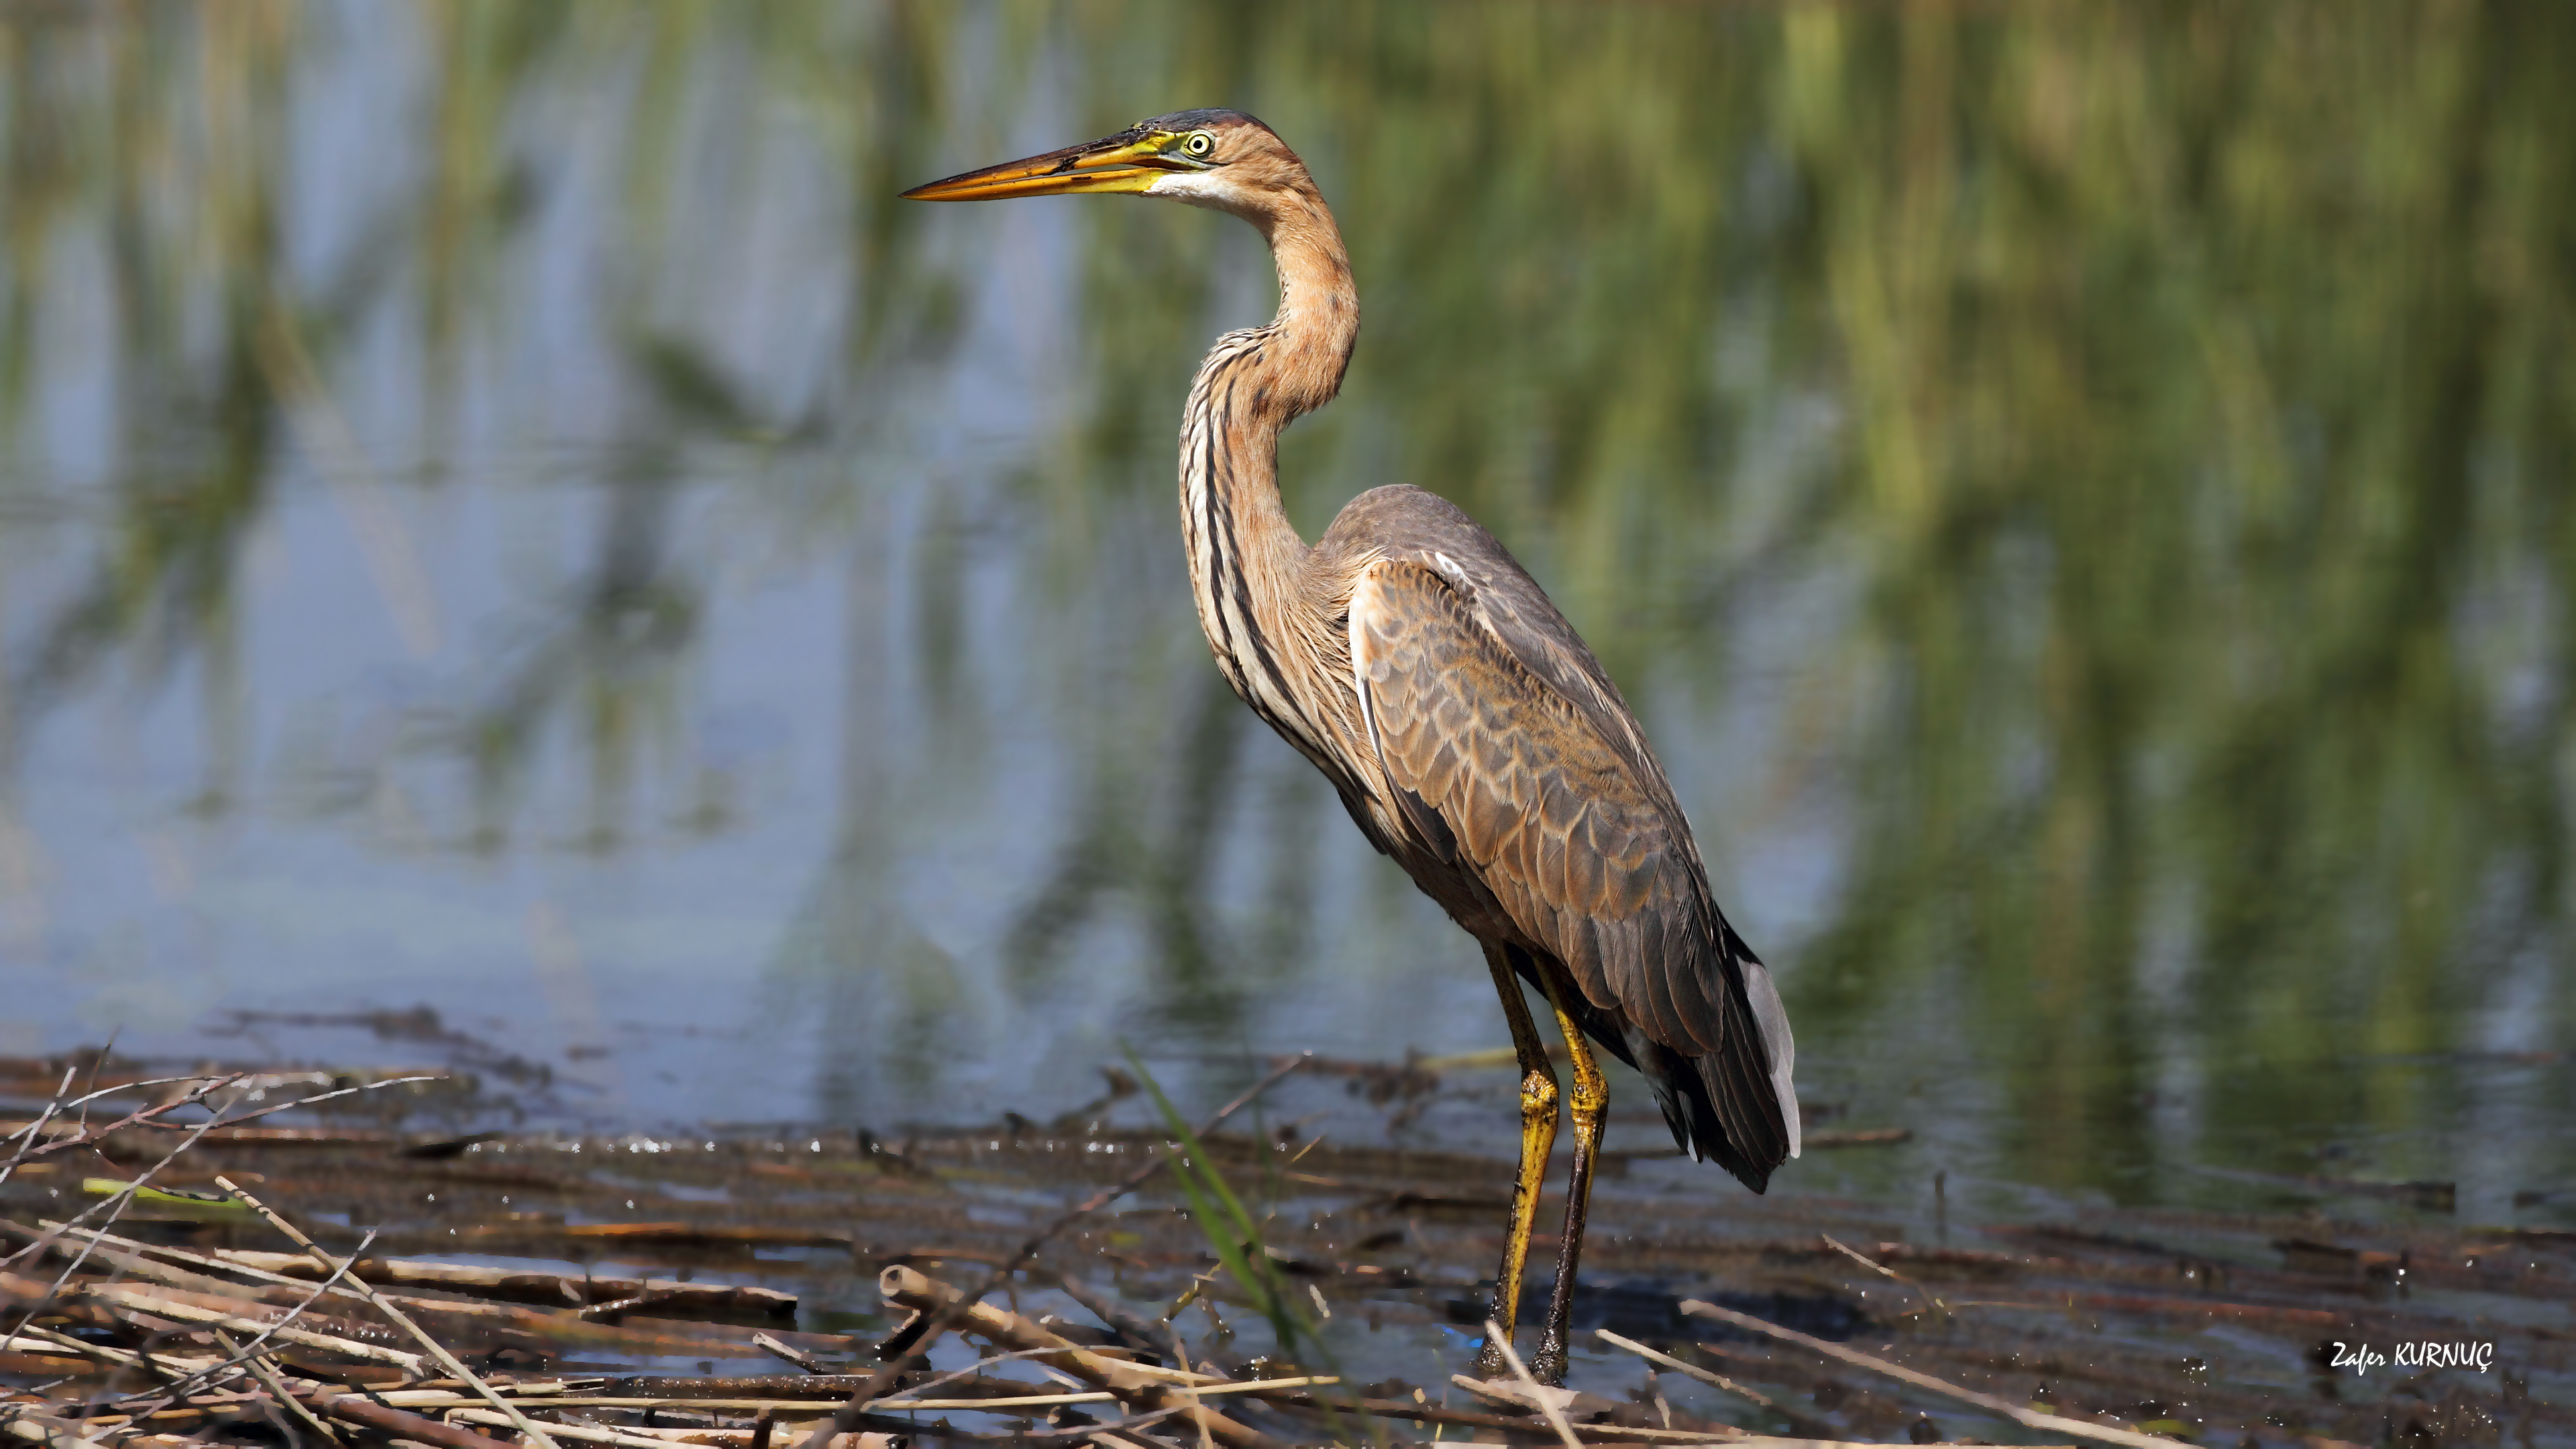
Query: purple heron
{"points": [[1469, 731]]}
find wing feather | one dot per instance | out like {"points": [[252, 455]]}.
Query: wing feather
{"points": [[1556, 808]]}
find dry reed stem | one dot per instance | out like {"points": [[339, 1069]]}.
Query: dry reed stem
{"points": [[844, 1419], [554, 1394], [1041, 1401], [259, 1345], [1714, 1380], [601, 1311], [437, 1350], [909, 1288], [797, 1356], [716, 1436], [64, 1342], [150, 1116], [630, 1438], [1538, 1392], [384, 1419], [257, 1362], [395, 1423], [543, 1289], [554, 1324], [2028, 1418], [1181, 1361], [150, 1252], [1589, 1433], [45, 1429], [115, 1204], [141, 1116], [969, 1371], [137, 1300], [1143, 1332], [57, 1105], [131, 1260], [1884, 1271]]}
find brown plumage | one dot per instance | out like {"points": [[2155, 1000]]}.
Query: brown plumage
{"points": [[1468, 730]]}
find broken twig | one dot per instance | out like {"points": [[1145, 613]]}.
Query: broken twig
{"points": [[395, 1316], [2028, 1418], [1538, 1393]]}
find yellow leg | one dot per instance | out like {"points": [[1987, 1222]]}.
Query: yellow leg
{"points": [[1589, 1106], [1538, 1138]]}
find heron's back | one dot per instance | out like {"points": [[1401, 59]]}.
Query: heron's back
{"points": [[1526, 800]]}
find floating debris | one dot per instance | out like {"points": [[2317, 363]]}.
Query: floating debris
{"points": [[1031, 1282]]}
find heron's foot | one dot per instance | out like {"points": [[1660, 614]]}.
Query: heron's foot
{"points": [[1548, 1364]]}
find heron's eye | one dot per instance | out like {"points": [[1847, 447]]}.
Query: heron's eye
{"points": [[1199, 146]]}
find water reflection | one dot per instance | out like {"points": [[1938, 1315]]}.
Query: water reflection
{"points": [[504, 510]]}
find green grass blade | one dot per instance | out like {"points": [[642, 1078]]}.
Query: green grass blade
{"points": [[1230, 1231]]}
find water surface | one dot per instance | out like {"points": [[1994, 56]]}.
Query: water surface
{"points": [[502, 510]]}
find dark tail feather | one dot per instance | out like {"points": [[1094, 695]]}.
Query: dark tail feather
{"points": [[1734, 1106], [1690, 1090], [1730, 1107]]}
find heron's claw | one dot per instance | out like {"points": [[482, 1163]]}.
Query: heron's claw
{"points": [[1547, 1365]]}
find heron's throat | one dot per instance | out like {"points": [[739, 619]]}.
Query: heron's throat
{"points": [[1310, 341]]}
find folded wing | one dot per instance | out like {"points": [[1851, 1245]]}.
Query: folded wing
{"points": [[1574, 833]]}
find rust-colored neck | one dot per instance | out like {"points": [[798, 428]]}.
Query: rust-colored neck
{"points": [[1319, 309]]}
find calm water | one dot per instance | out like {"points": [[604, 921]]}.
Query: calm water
{"points": [[501, 508]]}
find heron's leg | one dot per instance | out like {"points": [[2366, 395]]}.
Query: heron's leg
{"points": [[1589, 1106], [1538, 1138]]}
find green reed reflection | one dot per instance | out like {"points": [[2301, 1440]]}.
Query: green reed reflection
{"points": [[2125, 453]]}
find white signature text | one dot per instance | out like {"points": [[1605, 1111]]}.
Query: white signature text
{"points": [[2361, 1358]]}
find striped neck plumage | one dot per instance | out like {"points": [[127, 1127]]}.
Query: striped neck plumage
{"points": [[1245, 556]]}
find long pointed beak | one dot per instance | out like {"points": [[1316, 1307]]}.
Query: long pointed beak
{"points": [[1127, 162]]}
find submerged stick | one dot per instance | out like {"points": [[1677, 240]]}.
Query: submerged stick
{"points": [[2028, 1418]]}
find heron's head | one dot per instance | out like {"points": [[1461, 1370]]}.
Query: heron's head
{"points": [[1223, 160]]}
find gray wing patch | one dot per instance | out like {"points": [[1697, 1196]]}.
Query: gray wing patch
{"points": [[1551, 818]]}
